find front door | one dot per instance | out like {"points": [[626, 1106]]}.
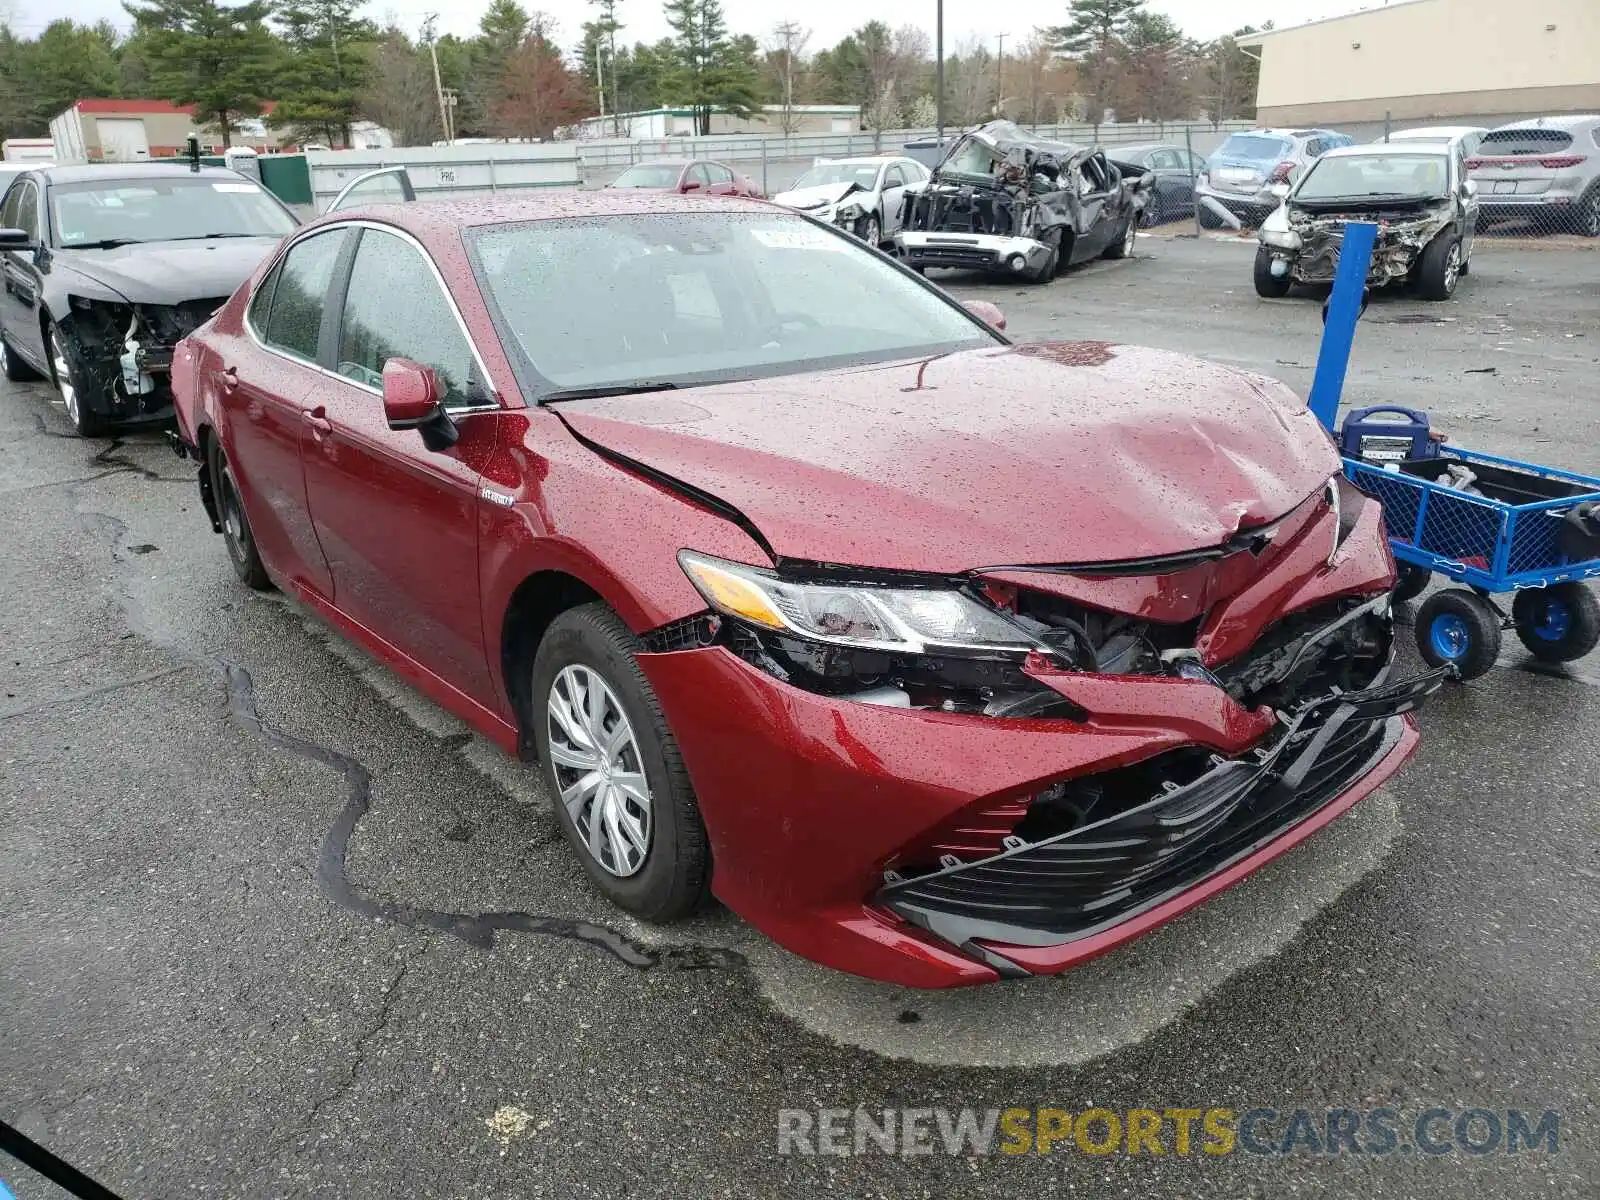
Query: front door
{"points": [[397, 521], [1095, 224], [19, 273]]}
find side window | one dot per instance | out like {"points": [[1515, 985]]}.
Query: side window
{"points": [[1196, 163], [8, 210], [28, 209], [719, 174], [699, 174], [394, 308], [261, 303], [295, 320], [1166, 160], [894, 177], [1594, 136], [1315, 147]]}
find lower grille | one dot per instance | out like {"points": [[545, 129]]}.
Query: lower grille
{"points": [[954, 256], [1075, 884], [171, 323]]}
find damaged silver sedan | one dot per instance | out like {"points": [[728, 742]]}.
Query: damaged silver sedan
{"points": [[106, 268], [1007, 202], [1425, 208]]}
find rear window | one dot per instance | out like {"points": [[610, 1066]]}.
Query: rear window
{"points": [[1525, 141], [653, 176], [1254, 147]]}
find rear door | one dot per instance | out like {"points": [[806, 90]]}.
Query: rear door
{"points": [[397, 521], [894, 192], [262, 380], [722, 181]]}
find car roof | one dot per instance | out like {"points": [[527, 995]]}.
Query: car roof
{"points": [[875, 160], [1452, 131], [1564, 123], [666, 162], [432, 217], [126, 172], [1381, 149], [1116, 148]]}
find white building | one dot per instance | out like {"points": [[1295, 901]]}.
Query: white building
{"points": [[680, 122]]}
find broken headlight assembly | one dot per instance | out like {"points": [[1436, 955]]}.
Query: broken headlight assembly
{"points": [[934, 647]]}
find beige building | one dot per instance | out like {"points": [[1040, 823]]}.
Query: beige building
{"points": [[1479, 62]]}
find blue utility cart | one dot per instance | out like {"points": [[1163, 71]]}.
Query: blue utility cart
{"points": [[1492, 525]]}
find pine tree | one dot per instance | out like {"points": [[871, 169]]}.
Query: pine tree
{"points": [[710, 73], [1092, 38], [328, 66], [217, 57]]}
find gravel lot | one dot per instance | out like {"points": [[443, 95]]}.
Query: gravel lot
{"points": [[271, 925]]}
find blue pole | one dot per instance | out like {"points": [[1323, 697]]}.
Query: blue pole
{"points": [[1339, 328]]}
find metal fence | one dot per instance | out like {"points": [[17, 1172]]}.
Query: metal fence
{"points": [[774, 161]]}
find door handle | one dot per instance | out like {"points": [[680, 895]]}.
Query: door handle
{"points": [[318, 420], [230, 379]]}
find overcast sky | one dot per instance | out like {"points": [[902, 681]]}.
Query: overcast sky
{"points": [[828, 19]]}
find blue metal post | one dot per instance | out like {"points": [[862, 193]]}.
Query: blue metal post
{"points": [[1344, 310]]}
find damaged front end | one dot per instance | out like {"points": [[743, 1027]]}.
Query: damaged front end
{"points": [[1005, 201], [1308, 237], [121, 353]]}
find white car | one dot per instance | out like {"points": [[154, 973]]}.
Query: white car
{"points": [[863, 195], [1463, 139]]}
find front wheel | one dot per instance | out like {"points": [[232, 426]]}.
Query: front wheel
{"points": [[1440, 268], [1459, 628], [1560, 623], [871, 230], [618, 786], [1410, 582], [69, 386], [1268, 285]]}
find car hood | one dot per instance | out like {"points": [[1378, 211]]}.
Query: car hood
{"points": [[816, 197], [1070, 452], [172, 272]]}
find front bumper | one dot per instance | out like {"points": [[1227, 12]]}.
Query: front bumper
{"points": [[1041, 907], [973, 251]]}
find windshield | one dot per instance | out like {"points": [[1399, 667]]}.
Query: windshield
{"points": [[862, 174], [1525, 141], [1376, 175], [167, 209], [1254, 148], [702, 297], [656, 175]]}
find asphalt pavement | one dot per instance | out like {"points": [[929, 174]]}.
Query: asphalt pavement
{"points": [[273, 925]]}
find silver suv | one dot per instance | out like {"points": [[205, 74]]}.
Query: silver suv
{"points": [[1546, 170], [1242, 173]]}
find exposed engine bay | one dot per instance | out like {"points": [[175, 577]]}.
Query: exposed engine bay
{"points": [[1404, 231], [1001, 182], [125, 351]]}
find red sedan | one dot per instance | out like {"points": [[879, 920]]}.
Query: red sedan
{"points": [[939, 659], [698, 178]]}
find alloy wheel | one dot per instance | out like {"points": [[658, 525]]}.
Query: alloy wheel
{"points": [[1452, 267], [1591, 216], [598, 770], [872, 232], [1129, 236], [232, 517], [63, 374]]}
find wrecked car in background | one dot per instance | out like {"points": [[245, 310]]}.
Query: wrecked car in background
{"points": [[1425, 207], [862, 195], [108, 268], [1005, 201]]}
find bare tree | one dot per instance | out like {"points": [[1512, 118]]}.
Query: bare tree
{"points": [[970, 82], [400, 94], [787, 48]]}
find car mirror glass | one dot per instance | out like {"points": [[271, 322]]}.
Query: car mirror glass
{"points": [[15, 239]]}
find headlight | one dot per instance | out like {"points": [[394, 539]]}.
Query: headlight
{"points": [[1283, 239], [850, 212], [911, 620]]}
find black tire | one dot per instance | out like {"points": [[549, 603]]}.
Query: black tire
{"points": [[237, 535], [870, 230], [1153, 214], [1208, 219], [1461, 628], [1439, 269], [675, 876], [1122, 247], [1586, 216], [85, 420], [1410, 582], [1268, 285], [1560, 623], [12, 366], [1046, 270]]}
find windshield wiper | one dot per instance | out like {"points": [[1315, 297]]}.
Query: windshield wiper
{"points": [[615, 389], [206, 237], [103, 244]]}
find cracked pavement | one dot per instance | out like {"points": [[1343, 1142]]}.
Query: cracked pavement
{"points": [[228, 970]]}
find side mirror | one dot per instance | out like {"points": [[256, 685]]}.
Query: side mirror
{"points": [[691, 185], [986, 312], [413, 399], [15, 239]]}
